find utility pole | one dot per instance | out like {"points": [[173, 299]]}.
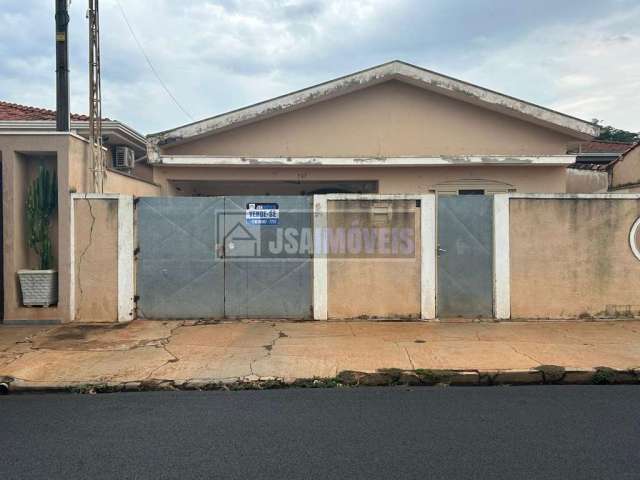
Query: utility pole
{"points": [[62, 66], [95, 99]]}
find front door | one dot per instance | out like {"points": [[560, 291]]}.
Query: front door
{"points": [[465, 256]]}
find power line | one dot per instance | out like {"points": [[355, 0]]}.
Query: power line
{"points": [[144, 54]]}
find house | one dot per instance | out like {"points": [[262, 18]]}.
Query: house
{"points": [[393, 128], [589, 173], [29, 140], [328, 184], [17, 118], [624, 172]]}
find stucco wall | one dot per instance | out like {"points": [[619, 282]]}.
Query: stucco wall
{"points": [[587, 181], [117, 182], [626, 172], [367, 280], [390, 180], [96, 259], [571, 258], [389, 119], [18, 151]]}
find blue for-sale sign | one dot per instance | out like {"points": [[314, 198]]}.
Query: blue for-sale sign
{"points": [[262, 214]]}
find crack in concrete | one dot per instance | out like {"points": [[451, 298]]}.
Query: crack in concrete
{"points": [[524, 354], [84, 252], [163, 344], [413, 367], [269, 348], [174, 358]]}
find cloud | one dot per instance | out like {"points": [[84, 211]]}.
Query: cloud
{"points": [[588, 69], [220, 55]]}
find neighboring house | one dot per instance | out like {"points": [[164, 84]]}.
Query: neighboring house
{"points": [[599, 152], [624, 172], [599, 168], [589, 173], [29, 140], [21, 118], [393, 128]]}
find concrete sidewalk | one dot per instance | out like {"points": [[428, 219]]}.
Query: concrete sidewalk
{"points": [[189, 354]]}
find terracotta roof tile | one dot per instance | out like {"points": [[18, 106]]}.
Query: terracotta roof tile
{"points": [[598, 146], [14, 111]]}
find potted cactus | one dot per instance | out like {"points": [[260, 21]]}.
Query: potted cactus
{"points": [[40, 287]]}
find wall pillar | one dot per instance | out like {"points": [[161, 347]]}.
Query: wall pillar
{"points": [[501, 260]]}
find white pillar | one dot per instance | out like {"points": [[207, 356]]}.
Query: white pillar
{"points": [[428, 256], [501, 254], [320, 285], [126, 289]]}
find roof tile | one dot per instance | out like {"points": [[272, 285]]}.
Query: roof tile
{"points": [[14, 111]]}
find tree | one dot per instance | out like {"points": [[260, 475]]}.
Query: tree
{"points": [[612, 134]]}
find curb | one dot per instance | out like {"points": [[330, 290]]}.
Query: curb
{"points": [[542, 375]]}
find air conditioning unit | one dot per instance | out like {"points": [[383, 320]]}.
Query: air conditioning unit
{"points": [[124, 157]]}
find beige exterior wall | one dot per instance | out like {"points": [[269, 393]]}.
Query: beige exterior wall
{"points": [[389, 119], [390, 180], [96, 260], [118, 182], [69, 155], [18, 168], [368, 284], [571, 258], [587, 181], [626, 172]]}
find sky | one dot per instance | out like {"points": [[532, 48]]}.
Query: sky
{"points": [[580, 57]]}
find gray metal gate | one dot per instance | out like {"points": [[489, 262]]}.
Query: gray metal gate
{"points": [[465, 256], [179, 275], [214, 257], [268, 269]]}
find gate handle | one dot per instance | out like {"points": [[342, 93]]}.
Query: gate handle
{"points": [[441, 250]]}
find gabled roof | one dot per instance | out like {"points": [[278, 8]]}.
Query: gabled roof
{"points": [[395, 70], [15, 111]]}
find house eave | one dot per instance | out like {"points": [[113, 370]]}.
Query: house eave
{"points": [[109, 127], [439, 161]]}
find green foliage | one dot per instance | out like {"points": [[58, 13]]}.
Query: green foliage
{"points": [[42, 201], [612, 134]]}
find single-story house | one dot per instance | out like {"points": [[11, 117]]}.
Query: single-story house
{"points": [[394, 192]]}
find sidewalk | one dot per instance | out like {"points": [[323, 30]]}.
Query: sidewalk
{"points": [[179, 354]]}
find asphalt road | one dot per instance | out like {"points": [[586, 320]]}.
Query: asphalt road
{"points": [[569, 432]]}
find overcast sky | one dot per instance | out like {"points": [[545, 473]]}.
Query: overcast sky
{"points": [[581, 57]]}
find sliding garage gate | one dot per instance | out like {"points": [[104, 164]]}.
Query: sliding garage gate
{"points": [[224, 257]]}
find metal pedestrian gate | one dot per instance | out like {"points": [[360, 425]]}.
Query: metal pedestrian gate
{"points": [[225, 257], [465, 256]]}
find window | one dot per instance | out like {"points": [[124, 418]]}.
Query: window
{"points": [[471, 192]]}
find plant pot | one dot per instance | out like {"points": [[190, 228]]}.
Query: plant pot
{"points": [[39, 287]]}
